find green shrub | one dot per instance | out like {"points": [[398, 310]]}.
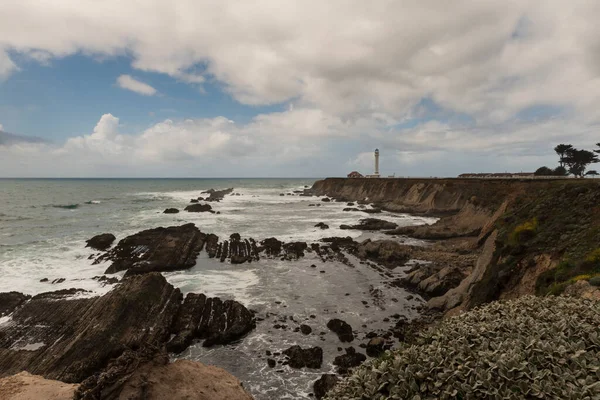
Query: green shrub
{"points": [[532, 347], [595, 281], [523, 232]]}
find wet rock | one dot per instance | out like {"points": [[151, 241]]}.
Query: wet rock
{"points": [[193, 200], [106, 280], [342, 329], [299, 358], [371, 224], [350, 209], [322, 225], [217, 195], [375, 346], [71, 339], [295, 250], [324, 384], [101, 242], [216, 321], [199, 208], [44, 280], [159, 249], [305, 329], [171, 211], [349, 360], [9, 301], [58, 280], [325, 199], [387, 252], [271, 363], [373, 211], [350, 204]]}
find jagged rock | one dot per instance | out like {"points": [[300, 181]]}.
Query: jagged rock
{"points": [[342, 329], [271, 246], [199, 208], [171, 211], [101, 242], [349, 360], [299, 358], [217, 321], [326, 199], [106, 280], [159, 249], [212, 245], [305, 329], [322, 225], [274, 248], [295, 250], [71, 339], [217, 195], [58, 280], [324, 384], [9, 301], [235, 249], [386, 252], [375, 346], [371, 224]]}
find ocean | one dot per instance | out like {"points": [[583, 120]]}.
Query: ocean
{"points": [[44, 224]]}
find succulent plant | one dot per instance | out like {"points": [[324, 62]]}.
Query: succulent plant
{"points": [[529, 348]]}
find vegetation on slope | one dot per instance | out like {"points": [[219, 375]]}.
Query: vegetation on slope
{"points": [[522, 349]]}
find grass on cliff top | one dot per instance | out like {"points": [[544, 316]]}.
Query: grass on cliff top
{"points": [[531, 347], [562, 221]]}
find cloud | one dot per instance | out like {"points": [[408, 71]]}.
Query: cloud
{"points": [[7, 66], [129, 83]]}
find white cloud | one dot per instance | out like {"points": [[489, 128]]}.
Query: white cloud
{"points": [[130, 83], [7, 66]]}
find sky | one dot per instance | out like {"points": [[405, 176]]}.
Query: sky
{"points": [[273, 88]]}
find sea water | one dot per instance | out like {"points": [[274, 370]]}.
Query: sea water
{"points": [[44, 224]]}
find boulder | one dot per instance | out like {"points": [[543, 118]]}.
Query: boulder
{"points": [[236, 249], [324, 384], [387, 252], [171, 211], [322, 225], [9, 301], [299, 358], [101, 242], [349, 360], [159, 249], [305, 329], [199, 208], [342, 329], [193, 200], [371, 224], [326, 199], [375, 346]]}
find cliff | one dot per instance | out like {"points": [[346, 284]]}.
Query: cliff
{"points": [[530, 236]]}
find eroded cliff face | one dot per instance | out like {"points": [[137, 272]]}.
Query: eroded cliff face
{"points": [[530, 236]]}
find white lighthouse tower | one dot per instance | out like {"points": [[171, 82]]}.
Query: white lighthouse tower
{"points": [[376, 162]]}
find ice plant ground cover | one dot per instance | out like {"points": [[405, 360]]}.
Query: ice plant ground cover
{"points": [[532, 347]]}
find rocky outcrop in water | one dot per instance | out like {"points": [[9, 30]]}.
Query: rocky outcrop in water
{"points": [[73, 339], [349, 360], [9, 302], [236, 249], [342, 329], [324, 384], [217, 321], [273, 247], [158, 249], [101, 242], [322, 225], [199, 208], [386, 252], [217, 195], [371, 224], [171, 211], [299, 358]]}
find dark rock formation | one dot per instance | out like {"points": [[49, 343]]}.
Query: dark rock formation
{"points": [[371, 224], [305, 329], [322, 225], [171, 211], [70, 340], [387, 252], [273, 247], [372, 210], [375, 346], [9, 301], [349, 360], [342, 329], [324, 384], [193, 200], [217, 321], [299, 358], [101, 242], [199, 208], [217, 195], [236, 249], [159, 249], [106, 280], [326, 199], [350, 209]]}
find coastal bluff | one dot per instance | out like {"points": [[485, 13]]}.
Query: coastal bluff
{"points": [[523, 236]]}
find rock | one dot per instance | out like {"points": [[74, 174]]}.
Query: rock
{"points": [[217, 321], [71, 339], [299, 358], [322, 225], [371, 224], [282, 194], [24, 386], [101, 242], [271, 246], [193, 200], [271, 363], [171, 211], [349, 360], [350, 209], [159, 249], [44, 280], [350, 204], [342, 329], [199, 208], [375, 346], [326, 199], [324, 384], [584, 290], [274, 248], [305, 329], [147, 374], [58, 280], [106, 280], [386, 252], [217, 195], [295, 250], [9, 301]]}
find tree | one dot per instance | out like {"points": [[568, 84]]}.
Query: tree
{"points": [[578, 160], [592, 172], [543, 171], [560, 171], [562, 150], [597, 151]]}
